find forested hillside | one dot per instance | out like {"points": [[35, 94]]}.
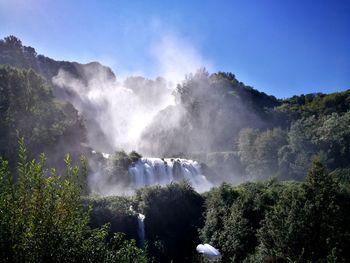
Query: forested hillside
{"points": [[211, 109], [213, 113], [29, 109], [279, 168], [13, 53], [217, 118], [237, 132]]}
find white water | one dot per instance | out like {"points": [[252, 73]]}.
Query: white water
{"points": [[141, 230], [208, 251], [156, 171]]}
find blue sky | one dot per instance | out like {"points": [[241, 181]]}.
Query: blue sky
{"points": [[281, 47]]}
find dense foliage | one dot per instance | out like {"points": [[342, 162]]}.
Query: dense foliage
{"points": [[294, 222], [118, 164], [14, 53], [237, 132], [289, 153], [173, 216], [217, 113], [42, 218], [28, 109], [111, 172], [210, 111], [115, 211], [315, 104]]}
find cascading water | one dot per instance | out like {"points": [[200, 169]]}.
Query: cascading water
{"points": [[156, 171], [141, 230]]}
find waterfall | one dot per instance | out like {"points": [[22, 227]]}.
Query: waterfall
{"points": [[156, 171], [141, 230]]}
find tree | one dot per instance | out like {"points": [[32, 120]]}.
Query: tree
{"points": [[173, 215], [282, 233], [326, 137], [233, 217], [42, 218], [303, 225], [259, 151], [28, 109], [321, 211]]}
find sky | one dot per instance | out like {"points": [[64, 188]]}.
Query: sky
{"points": [[281, 47]]}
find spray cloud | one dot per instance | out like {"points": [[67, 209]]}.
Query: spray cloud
{"points": [[117, 113]]}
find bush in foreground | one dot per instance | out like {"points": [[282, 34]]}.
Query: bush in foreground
{"points": [[42, 218]]}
